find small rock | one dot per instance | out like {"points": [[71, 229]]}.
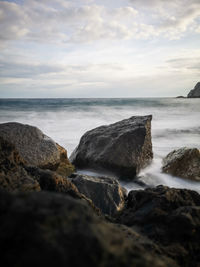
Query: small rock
{"points": [[184, 163], [105, 192]]}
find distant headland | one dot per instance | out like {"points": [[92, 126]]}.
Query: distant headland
{"points": [[194, 93]]}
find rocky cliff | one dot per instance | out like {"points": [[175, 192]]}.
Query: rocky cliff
{"points": [[195, 93]]}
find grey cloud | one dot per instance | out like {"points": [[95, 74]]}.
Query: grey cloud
{"points": [[192, 63], [18, 70], [13, 21]]}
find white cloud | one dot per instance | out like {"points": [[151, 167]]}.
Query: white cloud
{"points": [[80, 47], [63, 22], [81, 21], [170, 18]]}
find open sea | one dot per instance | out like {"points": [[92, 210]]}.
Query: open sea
{"points": [[175, 124]]}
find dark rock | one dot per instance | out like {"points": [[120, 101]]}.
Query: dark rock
{"points": [[65, 168], [195, 93], [122, 148], [168, 216], [105, 192], [51, 181], [13, 176], [36, 148], [180, 96], [184, 162], [48, 229]]}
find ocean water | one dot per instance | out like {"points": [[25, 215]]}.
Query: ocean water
{"points": [[176, 123]]}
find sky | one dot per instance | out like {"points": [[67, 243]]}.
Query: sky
{"points": [[97, 48]]}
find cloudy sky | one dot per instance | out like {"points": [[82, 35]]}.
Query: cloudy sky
{"points": [[97, 48]]}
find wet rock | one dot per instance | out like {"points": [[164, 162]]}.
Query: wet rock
{"points": [[122, 148], [105, 192], [195, 93], [170, 217], [48, 229], [36, 148], [184, 162]]}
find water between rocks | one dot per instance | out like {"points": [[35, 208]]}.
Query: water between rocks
{"points": [[176, 123]]}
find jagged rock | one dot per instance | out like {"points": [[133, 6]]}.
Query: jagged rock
{"points": [[184, 162], [51, 181], [36, 148], [122, 148], [48, 229], [195, 93], [168, 216], [13, 176], [105, 192]]}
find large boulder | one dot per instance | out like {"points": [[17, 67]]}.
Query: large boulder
{"points": [[105, 192], [184, 162], [168, 216], [122, 148], [195, 93], [36, 148], [48, 229]]}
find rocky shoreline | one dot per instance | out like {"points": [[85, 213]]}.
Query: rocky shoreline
{"points": [[52, 215]]}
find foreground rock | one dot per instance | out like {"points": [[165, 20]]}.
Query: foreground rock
{"points": [[15, 176], [35, 148], [195, 93], [168, 216], [184, 162], [51, 229], [122, 148], [105, 192]]}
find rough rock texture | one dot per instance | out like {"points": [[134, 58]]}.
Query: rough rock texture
{"points": [[51, 181], [122, 148], [65, 168], [36, 148], [13, 176], [170, 217], [184, 162], [51, 229], [195, 93], [105, 192]]}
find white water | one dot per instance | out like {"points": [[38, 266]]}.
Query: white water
{"points": [[176, 123]]}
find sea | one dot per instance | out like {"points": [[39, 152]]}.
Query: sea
{"points": [[175, 124]]}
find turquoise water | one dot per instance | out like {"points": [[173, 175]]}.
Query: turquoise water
{"points": [[176, 123]]}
